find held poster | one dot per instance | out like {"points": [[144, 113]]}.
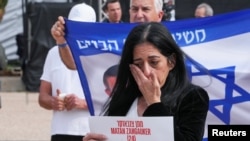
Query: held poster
{"points": [[133, 129]]}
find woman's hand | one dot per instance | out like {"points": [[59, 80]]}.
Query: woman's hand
{"points": [[94, 137], [148, 85]]}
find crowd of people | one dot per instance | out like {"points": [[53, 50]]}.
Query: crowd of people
{"points": [[151, 70], [150, 80]]}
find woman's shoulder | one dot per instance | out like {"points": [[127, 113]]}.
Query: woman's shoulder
{"points": [[197, 92], [201, 92], [195, 97], [198, 88]]}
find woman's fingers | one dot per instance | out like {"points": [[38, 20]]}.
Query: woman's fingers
{"points": [[94, 137]]}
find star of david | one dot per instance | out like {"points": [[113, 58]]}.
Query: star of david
{"points": [[227, 76]]}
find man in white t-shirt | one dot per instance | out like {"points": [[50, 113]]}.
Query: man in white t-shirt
{"points": [[61, 90]]}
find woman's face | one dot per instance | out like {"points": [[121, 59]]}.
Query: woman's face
{"points": [[148, 58]]}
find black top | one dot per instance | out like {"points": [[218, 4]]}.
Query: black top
{"points": [[189, 116], [106, 20]]}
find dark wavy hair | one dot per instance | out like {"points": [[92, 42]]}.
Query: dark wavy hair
{"points": [[105, 7], [111, 71], [126, 89]]}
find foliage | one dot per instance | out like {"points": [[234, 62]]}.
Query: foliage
{"points": [[3, 3]]}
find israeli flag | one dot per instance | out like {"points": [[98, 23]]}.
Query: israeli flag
{"points": [[218, 47]]}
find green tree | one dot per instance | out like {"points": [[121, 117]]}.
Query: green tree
{"points": [[3, 3]]}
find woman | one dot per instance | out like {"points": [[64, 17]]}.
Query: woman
{"points": [[152, 81]]}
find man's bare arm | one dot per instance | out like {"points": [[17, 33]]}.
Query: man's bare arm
{"points": [[57, 32]]}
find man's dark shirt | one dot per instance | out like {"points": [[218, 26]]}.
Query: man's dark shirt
{"points": [[106, 20]]}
